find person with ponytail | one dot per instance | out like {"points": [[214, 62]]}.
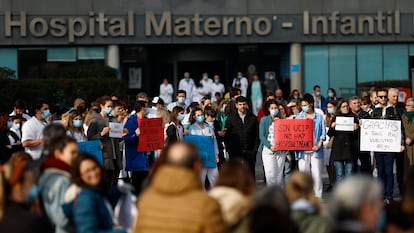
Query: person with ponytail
{"points": [[18, 191], [305, 206]]}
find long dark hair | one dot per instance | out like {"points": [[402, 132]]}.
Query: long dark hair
{"points": [[76, 176]]}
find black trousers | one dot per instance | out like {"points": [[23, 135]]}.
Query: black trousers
{"points": [[137, 180], [365, 159]]}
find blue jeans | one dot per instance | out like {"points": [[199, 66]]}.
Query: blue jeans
{"points": [[385, 163], [343, 169]]}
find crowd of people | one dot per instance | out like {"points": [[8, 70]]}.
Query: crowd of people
{"points": [[48, 184]]}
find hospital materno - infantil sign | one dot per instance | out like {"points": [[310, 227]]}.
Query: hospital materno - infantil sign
{"points": [[100, 25]]}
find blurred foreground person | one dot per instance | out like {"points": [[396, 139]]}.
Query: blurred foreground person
{"points": [[55, 180], [174, 200], [17, 192], [357, 206], [234, 190], [91, 211], [306, 208], [271, 212]]}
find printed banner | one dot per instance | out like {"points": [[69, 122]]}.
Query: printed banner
{"points": [[293, 134], [205, 146], [151, 135], [92, 148], [380, 135]]}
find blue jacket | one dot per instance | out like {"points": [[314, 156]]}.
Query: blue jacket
{"points": [[319, 132], [90, 213], [135, 161]]}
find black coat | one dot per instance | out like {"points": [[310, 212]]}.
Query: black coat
{"points": [[241, 136], [344, 144], [18, 219]]}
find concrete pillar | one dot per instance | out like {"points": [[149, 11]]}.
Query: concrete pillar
{"points": [[112, 58], [296, 68]]}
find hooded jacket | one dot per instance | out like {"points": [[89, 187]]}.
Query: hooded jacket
{"points": [[175, 202]]}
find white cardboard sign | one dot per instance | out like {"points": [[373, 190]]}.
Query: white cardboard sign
{"points": [[115, 130], [380, 135], [344, 123]]}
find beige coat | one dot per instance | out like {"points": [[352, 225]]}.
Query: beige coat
{"points": [[175, 203], [409, 132]]}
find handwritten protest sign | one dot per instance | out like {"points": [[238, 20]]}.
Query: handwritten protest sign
{"points": [[92, 148], [293, 134], [344, 123], [115, 130], [151, 134], [380, 135], [205, 146]]}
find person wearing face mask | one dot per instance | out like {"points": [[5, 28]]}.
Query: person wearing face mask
{"points": [[75, 128], [327, 145], [273, 159], [99, 130], [18, 191], [312, 160], [294, 95], [181, 100], [241, 83], [186, 84], [32, 130], [15, 135], [199, 127], [318, 97], [175, 129], [216, 87], [331, 96]]}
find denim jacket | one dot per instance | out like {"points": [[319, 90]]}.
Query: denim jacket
{"points": [[319, 132]]}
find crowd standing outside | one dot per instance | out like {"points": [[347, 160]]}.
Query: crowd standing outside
{"points": [[82, 201]]}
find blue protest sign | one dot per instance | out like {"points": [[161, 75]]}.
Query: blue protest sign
{"points": [[92, 148], [205, 146]]}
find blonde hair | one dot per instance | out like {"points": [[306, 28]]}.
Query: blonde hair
{"points": [[165, 115], [300, 186]]}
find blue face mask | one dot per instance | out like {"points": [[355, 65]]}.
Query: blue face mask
{"points": [[382, 220], [16, 126], [331, 110], [180, 117], [181, 100], [274, 112], [318, 93], [217, 80], [330, 94], [9, 124], [200, 119], [77, 123], [108, 111], [32, 195], [305, 108], [46, 114], [296, 97]]}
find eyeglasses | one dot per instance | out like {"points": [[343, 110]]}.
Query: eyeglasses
{"points": [[382, 96]]}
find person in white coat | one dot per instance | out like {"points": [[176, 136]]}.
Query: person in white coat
{"points": [[166, 91], [217, 86], [241, 83], [187, 84]]}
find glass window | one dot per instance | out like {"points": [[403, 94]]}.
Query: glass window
{"points": [[8, 58], [316, 67], [369, 63], [395, 61], [61, 54], [91, 53], [342, 69]]}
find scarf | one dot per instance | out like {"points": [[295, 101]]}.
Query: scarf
{"points": [[409, 116]]}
